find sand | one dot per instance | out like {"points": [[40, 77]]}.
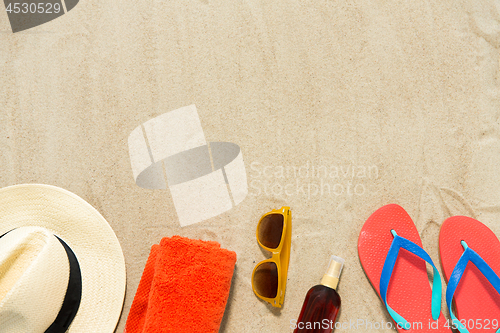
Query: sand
{"points": [[397, 101]]}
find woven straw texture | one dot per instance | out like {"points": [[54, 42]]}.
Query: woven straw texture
{"points": [[90, 237]]}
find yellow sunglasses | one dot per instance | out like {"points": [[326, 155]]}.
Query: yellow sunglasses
{"points": [[274, 233]]}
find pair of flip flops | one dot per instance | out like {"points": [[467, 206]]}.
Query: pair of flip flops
{"points": [[390, 251]]}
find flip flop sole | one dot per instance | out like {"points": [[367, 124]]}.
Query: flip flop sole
{"points": [[409, 291], [477, 302]]}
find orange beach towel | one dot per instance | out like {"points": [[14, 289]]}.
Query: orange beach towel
{"points": [[184, 288]]}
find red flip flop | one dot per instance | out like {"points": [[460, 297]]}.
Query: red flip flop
{"points": [[390, 251], [470, 257]]}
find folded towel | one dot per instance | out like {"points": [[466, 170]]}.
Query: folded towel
{"points": [[184, 288]]}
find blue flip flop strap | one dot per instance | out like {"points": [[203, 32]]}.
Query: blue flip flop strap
{"points": [[456, 276], [390, 262]]}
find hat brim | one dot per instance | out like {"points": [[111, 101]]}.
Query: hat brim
{"points": [[90, 237]]}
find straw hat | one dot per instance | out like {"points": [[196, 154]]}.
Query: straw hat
{"points": [[60, 263]]}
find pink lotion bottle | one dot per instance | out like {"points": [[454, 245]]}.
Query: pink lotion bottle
{"points": [[322, 303]]}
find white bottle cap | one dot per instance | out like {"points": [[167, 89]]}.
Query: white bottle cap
{"points": [[332, 276]]}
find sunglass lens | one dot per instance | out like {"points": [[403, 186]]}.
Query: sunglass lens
{"points": [[265, 279], [270, 230]]}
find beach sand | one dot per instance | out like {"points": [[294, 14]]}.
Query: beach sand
{"points": [[339, 107]]}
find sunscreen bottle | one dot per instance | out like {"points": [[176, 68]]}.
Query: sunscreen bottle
{"points": [[322, 302]]}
